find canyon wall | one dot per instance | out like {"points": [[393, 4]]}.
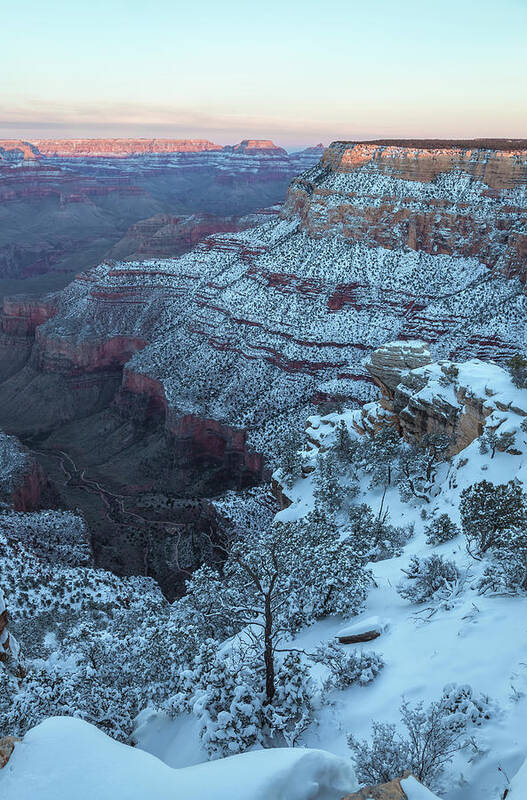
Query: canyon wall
{"points": [[66, 204], [252, 329]]}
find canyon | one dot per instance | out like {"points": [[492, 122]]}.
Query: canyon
{"points": [[188, 373], [64, 204]]}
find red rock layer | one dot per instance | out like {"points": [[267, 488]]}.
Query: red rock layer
{"points": [[504, 168], [82, 148], [27, 493]]}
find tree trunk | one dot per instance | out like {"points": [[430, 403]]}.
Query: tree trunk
{"points": [[268, 651]]}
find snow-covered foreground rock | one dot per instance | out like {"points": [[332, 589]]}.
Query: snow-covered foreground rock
{"points": [[65, 758]]}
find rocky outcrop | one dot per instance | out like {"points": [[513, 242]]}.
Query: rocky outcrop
{"points": [[14, 151], [389, 363], [22, 480], [166, 235], [9, 648], [418, 206], [456, 399], [382, 791], [7, 746]]}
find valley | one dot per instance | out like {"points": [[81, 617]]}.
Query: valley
{"points": [[309, 390]]}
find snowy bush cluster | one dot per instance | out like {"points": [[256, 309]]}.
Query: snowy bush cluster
{"points": [[431, 578], [228, 696], [433, 735], [494, 521], [347, 667]]}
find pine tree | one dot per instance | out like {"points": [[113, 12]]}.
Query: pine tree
{"points": [[488, 511]]}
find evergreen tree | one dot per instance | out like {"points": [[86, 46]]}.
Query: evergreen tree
{"points": [[488, 511]]}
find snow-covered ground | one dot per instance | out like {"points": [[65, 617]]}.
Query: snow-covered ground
{"points": [[467, 638], [475, 639], [64, 758]]}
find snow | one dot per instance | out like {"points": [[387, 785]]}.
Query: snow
{"points": [[64, 757], [415, 790], [518, 788], [369, 624]]}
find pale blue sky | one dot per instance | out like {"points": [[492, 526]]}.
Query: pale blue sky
{"points": [[298, 72]]}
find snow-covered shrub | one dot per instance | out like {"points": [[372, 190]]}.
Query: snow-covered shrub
{"points": [[291, 458], [345, 447], [432, 578], [507, 571], [488, 511], [464, 708], [427, 747], [380, 455], [387, 756], [228, 697], [330, 488], [229, 709], [442, 529], [375, 539], [518, 369], [492, 441], [418, 464], [291, 711], [50, 691], [347, 667]]}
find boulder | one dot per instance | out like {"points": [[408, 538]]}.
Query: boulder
{"points": [[383, 791], [7, 745], [364, 631]]}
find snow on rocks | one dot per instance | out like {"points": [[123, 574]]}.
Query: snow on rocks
{"points": [[399, 789], [64, 757], [363, 631]]}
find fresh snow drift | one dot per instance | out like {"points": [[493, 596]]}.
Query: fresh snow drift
{"points": [[64, 758]]}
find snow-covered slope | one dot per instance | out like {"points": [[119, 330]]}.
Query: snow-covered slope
{"points": [[64, 758], [463, 636]]}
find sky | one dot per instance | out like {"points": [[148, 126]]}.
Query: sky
{"points": [[296, 72]]}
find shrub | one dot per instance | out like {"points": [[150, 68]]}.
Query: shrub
{"points": [[347, 668], [442, 529], [375, 539], [518, 369], [429, 578], [463, 708], [507, 572], [429, 744], [488, 511]]}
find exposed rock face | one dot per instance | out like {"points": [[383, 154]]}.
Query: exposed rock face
{"points": [[383, 791], [389, 363], [21, 478], [9, 650], [120, 148], [445, 397], [166, 235], [7, 745], [427, 194], [13, 151]]}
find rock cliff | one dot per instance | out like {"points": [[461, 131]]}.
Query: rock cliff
{"points": [[66, 203], [251, 328]]}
